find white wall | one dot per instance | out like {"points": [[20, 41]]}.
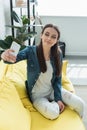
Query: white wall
{"points": [[4, 18], [6, 6], [2, 21], [73, 33]]}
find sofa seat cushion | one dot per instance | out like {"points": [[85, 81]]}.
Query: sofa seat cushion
{"points": [[13, 115], [68, 120]]}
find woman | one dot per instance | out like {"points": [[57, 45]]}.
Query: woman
{"points": [[44, 66]]}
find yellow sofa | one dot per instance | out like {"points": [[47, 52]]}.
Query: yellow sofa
{"points": [[17, 112]]}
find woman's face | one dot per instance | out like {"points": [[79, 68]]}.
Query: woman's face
{"points": [[49, 37]]}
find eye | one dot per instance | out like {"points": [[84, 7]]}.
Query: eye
{"points": [[54, 37], [46, 34]]}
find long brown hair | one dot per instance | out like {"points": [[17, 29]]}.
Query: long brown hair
{"points": [[55, 53]]}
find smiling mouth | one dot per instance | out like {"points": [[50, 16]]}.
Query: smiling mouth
{"points": [[48, 42]]}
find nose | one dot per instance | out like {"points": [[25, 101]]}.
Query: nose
{"points": [[49, 38]]}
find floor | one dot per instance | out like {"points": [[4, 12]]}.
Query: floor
{"points": [[77, 72], [77, 69], [82, 92]]}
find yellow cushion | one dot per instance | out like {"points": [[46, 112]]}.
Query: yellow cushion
{"points": [[13, 116], [16, 73], [66, 83], [3, 69], [68, 120], [64, 67], [27, 104]]}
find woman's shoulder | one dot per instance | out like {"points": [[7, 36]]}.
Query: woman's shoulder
{"points": [[31, 47]]}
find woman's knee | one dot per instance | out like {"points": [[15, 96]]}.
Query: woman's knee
{"points": [[48, 109], [53, 110]]}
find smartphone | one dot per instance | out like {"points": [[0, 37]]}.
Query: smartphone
{"points": [[16, 47]]}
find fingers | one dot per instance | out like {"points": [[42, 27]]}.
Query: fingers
{"points": [[7, 56], [61, 106]]}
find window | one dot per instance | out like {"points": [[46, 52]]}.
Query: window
{"points": [[62, 7]]}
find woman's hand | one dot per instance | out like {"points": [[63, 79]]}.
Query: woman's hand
{"points": [[8, 56], [61, 106]]}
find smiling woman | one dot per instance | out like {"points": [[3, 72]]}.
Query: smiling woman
{"points": [[62, 8]]}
